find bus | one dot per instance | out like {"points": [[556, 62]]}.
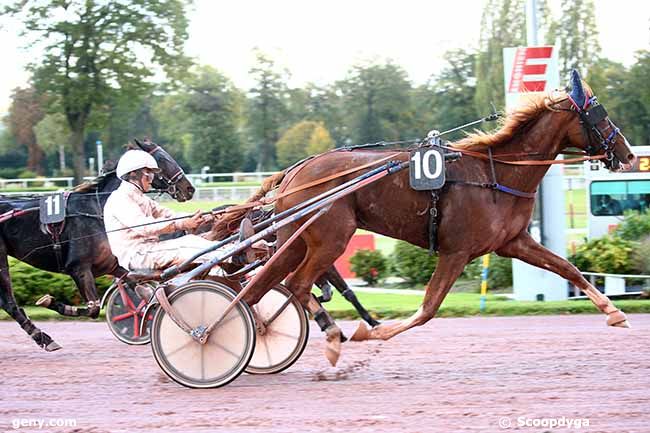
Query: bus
{"points": [[610, 195]]}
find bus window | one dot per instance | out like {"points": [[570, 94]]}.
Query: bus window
{"points": [[613, 197]]}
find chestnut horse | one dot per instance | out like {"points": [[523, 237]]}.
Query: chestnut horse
{"points": [[473, 220]]}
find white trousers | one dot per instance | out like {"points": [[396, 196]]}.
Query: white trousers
{"points": [[161, 255]]}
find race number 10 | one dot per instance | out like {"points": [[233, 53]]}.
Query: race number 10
{"points": [[427, 169]]}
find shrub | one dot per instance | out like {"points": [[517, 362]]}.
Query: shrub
{"points": [[635, 226], [608, 254], [30, 283], [369, 265], [10, 173], [500, 273], [641, 257], [412, 263]]}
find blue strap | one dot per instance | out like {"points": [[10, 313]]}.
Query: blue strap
{"points": [[514, 192]]}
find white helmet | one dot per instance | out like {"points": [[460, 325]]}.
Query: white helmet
{"points": [[134, 160]]}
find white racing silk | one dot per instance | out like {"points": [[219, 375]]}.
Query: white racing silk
{"points": [[139, 247]]}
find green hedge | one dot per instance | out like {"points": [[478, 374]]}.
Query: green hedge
{"points": [[412, 263], [30, 283], [370, 266]]}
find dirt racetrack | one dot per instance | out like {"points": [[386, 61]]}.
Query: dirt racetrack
{"points": [[452, 375]]}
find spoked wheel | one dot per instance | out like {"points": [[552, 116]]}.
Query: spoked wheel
{"points": [[124, 314], [284, 334], [228, 349]]}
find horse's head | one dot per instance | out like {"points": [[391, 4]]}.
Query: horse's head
{"points": [[171, 178], [592, 130]]}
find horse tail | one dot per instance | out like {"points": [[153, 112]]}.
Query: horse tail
{"points": [[268, 184]]}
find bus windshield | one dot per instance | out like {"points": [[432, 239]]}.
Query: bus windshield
{"points": [[613, 197]]}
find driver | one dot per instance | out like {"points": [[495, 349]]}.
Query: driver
{"points": [[128, 206]]}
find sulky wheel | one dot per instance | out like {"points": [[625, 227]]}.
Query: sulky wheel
{"points": [[229, 347], [284, 334], [124, 313]]}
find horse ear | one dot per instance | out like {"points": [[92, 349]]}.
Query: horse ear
{"points": [[577, 91], [138, 143]]}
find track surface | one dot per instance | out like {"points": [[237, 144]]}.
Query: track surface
{"points": [[452, 375]]}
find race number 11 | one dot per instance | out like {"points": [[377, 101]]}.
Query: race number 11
{"points": [[53, 204], [427, 169]]}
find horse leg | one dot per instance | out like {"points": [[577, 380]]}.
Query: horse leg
{"points": [[318, 259], [85, 282], [449, 268], [339, 283], [525, 248], [8, 303]]}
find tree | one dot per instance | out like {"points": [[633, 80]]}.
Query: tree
{"points": [[25, 112], [52, 134], [377, 103], [577, 33], [95, 49], [325, 104], [301, 140], [503, 25], [214, 106], [268, 111], [447, 100], [174, 124], [636, 111]]}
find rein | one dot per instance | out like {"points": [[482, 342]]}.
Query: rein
{"points": [[531, 162]]}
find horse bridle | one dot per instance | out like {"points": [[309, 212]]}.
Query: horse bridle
{"points": [[172, 190], [591, 114]]}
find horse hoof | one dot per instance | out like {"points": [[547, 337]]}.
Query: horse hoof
{"points": [[618, 319], [333, 352], [53, 346], [45, 301], [362, 333]]}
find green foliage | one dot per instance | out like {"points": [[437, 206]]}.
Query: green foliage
{"points": [[635, 226], [641, 256], [500, 272], [267, 109], [503, 25], [578, 35], [377, 103], [448, 99], [301, 140], [608, 254], [370, 266], [321, 104], [94, 51], [30, 283], [213, 106], [412, 263]]}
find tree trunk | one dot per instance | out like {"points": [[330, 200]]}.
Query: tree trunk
{"points": [[79, 155], [35, 158], [62, 158]]}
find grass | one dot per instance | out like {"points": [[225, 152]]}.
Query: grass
{"points": [[467, 304], [228, 184], [577, 198], [387, 306], [192, 206]]}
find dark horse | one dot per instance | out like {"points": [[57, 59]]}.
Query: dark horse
{"points": [[84, 252], [473, 218]]}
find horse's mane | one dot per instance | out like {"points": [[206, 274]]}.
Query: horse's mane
{"points": [[108, 172], [514, 123]]}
